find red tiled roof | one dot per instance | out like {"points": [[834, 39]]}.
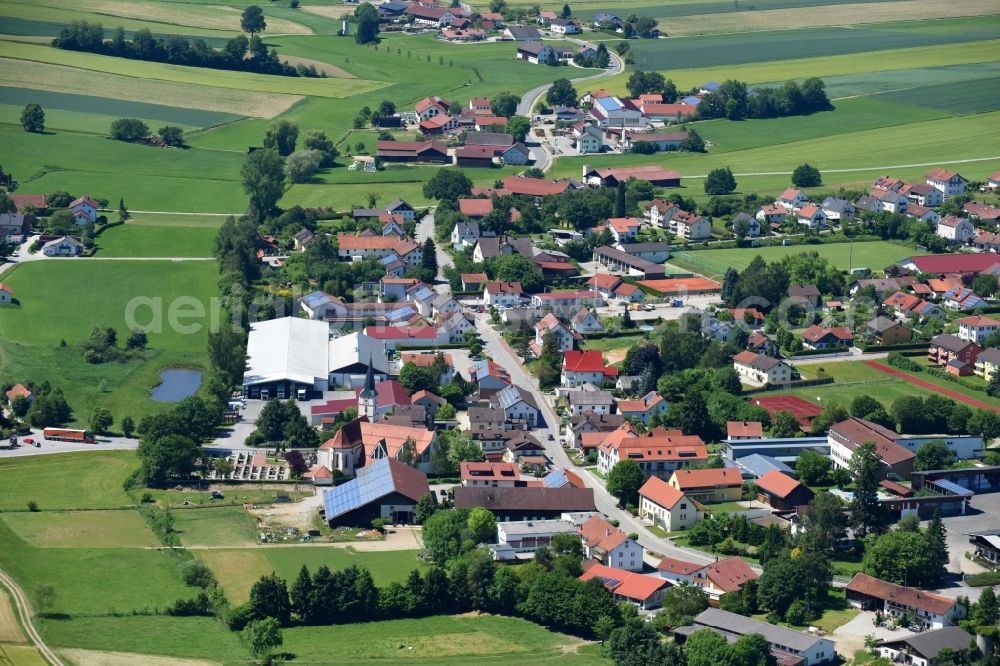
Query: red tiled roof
{"points": [[534, 186], [604, 281], [81, 200], [708, 478], [977, 321], [730, 574], [624, 583], [680, 567], [583, 361], [401, 332], [938, 173], [660, 109], [488, 471], [624, 224], [473, 278], [659, 491], [401, 246], [777, 483], [816, 332], [498, 287], [39, 201], [424, 359], [854, 431], [744, 429], [18, 390], [790, 194], [905, 596], [954, 263], [597, 532], [808, 211], [476, 207]]}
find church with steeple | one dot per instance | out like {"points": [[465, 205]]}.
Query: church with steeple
{"points": [[368, 398]]}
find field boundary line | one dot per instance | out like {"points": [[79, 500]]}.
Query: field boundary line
{"points": [[862, 169], [24, 610]]}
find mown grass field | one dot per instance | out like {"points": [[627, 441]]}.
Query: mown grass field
{"points": [[82, 529], [237, 569], [131, 240], [66, 481], [873, 254]]}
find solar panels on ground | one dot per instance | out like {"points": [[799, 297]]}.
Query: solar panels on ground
{"points": [[952, 487], [556, 479], [373, 481]]}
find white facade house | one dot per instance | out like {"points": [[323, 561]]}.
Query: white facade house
{"points": [[956, 229], [811, 216], [84, 210], [949, 183], [977, 328], [609, 545], [589, 140], [521, 537], [667, 507], [759, 370], [67, 246]]}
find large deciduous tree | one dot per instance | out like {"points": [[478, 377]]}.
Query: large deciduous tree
{"points": [[252, 20], [263, 175]]}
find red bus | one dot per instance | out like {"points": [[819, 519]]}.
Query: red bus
{"points": [[67, 435]]}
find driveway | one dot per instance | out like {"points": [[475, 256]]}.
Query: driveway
{"points": [[850, 637], [425, 230]]}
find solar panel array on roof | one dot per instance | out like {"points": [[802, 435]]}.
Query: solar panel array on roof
{"points": [[556, 479], [952, 487], [372, 482], [607, 581]]}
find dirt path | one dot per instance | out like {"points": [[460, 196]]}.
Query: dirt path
{"points": [[972, 402], [24, 609], [98, 658], [10, 629]]}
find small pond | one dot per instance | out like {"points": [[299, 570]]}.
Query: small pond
{"points": [[175, 385]]}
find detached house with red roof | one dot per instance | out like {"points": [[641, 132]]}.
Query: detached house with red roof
{"points": [[948, 182], [956, 229], [19, 391], [565, 338], [792, 199], [781, 492], [811, 216], [928, 610], [585, 367], [759, 370], [644, 408], [84, 210], [644, 591], [658, 453], [667, 507], [709, 486], [503, 294], [818, 337], [6, 294], [624, 229], [717, 578], [609, 545]]}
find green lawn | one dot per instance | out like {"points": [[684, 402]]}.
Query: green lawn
{"points": [[67, 481], [130, 240], [237, 569], [875, 255], [836, 612], [223, 526], [607, 344], [63, 300], [441, 640], [854, 378], [82, 529]]}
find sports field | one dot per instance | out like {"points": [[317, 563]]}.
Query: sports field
{"points": [[873, 254]]}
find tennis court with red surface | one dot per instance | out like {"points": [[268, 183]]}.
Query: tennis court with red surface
{"points": [[803, 410]]}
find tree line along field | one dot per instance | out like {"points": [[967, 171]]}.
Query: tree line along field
{"points": [[94, 602]]}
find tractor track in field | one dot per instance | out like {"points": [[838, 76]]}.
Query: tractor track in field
{"points": [[24, 610]]}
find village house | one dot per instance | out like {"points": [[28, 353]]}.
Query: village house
{"points": [[609, 545], [624, 229], [522, 33], [358, 443], [892, 201], [737, 430], [84, 210], [579, 425], [658, 453], [466, 234], [781, 492], [691, 226], [666, 507], [589, 399], [588, 139], [792, 200], [518, 405], [926, 609], [503, 294], [956, 229], [585, 321], [923, 213], [437, 17], [948, 182], [489, 376], [804, 294], [987, 544], [818, 337], [6, 294], [709, 486], [659, 213], [977, 328], [585, 367], [13, 226], [923, 194], [923, 649], [771, 214], [518, 539], [611, 176], [785, 646], [638, 589], [958, 356], [962, 298], [492, 474], [987, 363], [884, 331], [530, 503], [565, 338], [413, 151], [64, 246], [566, 301], [910, 305], [811, 216], [759, 370], [837, 209], [561, 26], [644, 409]]}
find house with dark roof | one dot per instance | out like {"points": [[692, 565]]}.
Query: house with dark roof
{"points": [[845, 437], [926, 609], [884, 331], [787, 646], [531, 503], [782, 492], [385, 489], [518, 405], [590, 423], [987, 363], [522, 33], [413, 151], [958, 356], [804, 293], [923, 649], [760, 370]]}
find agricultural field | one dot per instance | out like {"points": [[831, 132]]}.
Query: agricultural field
{"points": [[61, 302], [130, 240], [71, 481], [872, 254]]}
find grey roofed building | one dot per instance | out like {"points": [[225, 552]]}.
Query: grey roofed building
{"points": [[513, 394], [590, 398], [470, 228], [764, 363], [628, 382], [742, 217], [929, 643], [523, 32], [880, 324], [486, 418], [489, 246], [989, 355], [881, 285], [949, 342], [803, 291], [757, 465], [500, 139], [838, 205], [656, 246], [869, 203], [782, 641]]}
